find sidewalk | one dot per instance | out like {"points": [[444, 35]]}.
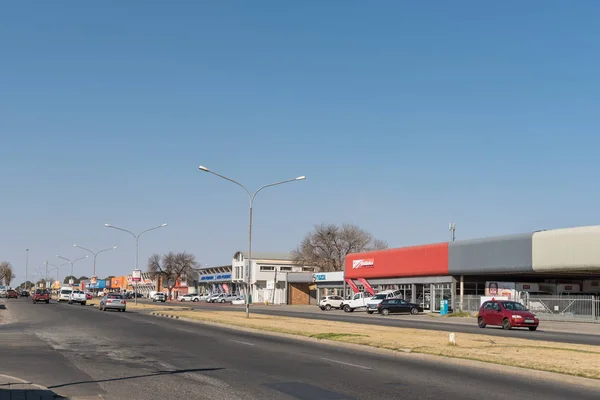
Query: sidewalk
{"points": [[12, 388]]}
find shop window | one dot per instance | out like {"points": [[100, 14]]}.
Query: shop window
{"points": [[266, 268], [285, 268], [308, 269]]}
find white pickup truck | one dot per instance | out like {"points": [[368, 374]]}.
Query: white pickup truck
{"points": [[374, 301], [77, 296], [359, 300]]}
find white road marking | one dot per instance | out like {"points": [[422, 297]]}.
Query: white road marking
{"points": [[345, 363], [186, 330], [246, 343]]}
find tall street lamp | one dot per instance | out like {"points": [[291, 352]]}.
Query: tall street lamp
{"points": [[137, 246], [95, 254], [72, 262], [26, 267], [251, 196]]}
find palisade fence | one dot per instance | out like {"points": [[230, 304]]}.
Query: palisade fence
{"points": [[556, 308]]}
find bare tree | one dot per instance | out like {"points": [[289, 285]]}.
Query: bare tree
{"points": [[172, 267], [327, 246], [6, 273]]}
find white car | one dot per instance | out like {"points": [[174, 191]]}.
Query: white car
{"points": [[189, 297], [329, 302], [64, 294], [77, 296]]}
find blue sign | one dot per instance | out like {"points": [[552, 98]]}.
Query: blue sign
{"points": [[215, 277], [320, 277], [101, 284]]}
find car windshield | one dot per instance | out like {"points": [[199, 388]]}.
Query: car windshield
{"points": [[65, 291], [513, 306], [114, 296], [379, 296]]}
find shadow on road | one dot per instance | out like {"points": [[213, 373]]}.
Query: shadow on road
{"points": [[2, 307], [158, 373], [7, 393]]}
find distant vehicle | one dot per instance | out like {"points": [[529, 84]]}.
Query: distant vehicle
{"points": [[388, 306], [41, 295], [64, 293], [329, 302], [159, 296], [226, 298], [77, 296], [12, 294], [507, 314], [3, 290], [113, 301], [213, 297], [189, 297], [89, 296], [24, 293]]}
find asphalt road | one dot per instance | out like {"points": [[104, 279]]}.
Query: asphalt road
{"points": [[80, 351], [405, 322]]}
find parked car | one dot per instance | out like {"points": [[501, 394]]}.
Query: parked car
{"points": [[507, 314], [224, 298], [160, 296], [89, 296], [373, 302], [189, 297], [41, 295], [329, 302], [359, 300], [12, 294], [77, 296], [213, 297], [389, 306], [113, 301]]}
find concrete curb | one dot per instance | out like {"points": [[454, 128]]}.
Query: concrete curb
{"points": [[408, 354]]}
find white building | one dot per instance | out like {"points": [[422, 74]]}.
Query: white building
{"points": [[269, 274]]}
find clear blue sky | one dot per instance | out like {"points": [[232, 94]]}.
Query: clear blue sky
{"points": [[403, 116]]}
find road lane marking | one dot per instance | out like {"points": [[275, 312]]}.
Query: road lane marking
{"points": [[186, 330], [239, 341], [345, 363]]}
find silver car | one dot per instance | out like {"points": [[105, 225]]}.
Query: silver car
{"points": [[114, 301]]}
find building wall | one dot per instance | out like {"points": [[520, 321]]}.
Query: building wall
{"points": [[299, 293], [426, 260], [500, 254], [570, 249]]}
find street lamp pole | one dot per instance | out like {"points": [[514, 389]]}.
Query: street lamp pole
{"points": [[95, 254], [72, 262], [57, 267], [251, 197], [26, 267], [137, 246]]}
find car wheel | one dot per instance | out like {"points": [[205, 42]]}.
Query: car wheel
{"points": [[47, 301], [370, 312], [480, 322], [385, 311], [532, 328], [195, 300], [506, 324], [222, 300], [414, 311], [83, 303], [327, 307], [347, 308]]}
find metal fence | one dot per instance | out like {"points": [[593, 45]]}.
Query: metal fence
{"points": [[556, 308]]}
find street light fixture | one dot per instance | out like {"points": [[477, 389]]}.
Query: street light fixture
{"points": [[56, 267], [95, 254], [72, 262], [137, 245], [251, 196]]}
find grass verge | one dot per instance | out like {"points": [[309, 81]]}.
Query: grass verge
{"points": [[563, 358]]}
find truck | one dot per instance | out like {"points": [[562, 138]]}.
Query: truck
{"points": [[41, 295], [374, 301], [78, 296], [359, 300]]}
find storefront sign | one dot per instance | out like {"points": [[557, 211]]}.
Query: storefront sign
{"points": [[136, 276], [370, 263], [337, 276], [215, 277]]}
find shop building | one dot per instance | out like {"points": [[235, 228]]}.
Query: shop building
{"points": [[330, 284], [144, 286], [274, 278], [450, 271], [217, 280]]}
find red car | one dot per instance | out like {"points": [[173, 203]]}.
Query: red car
{"points": [[12, 294], [41, 295], [507, 314]]}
